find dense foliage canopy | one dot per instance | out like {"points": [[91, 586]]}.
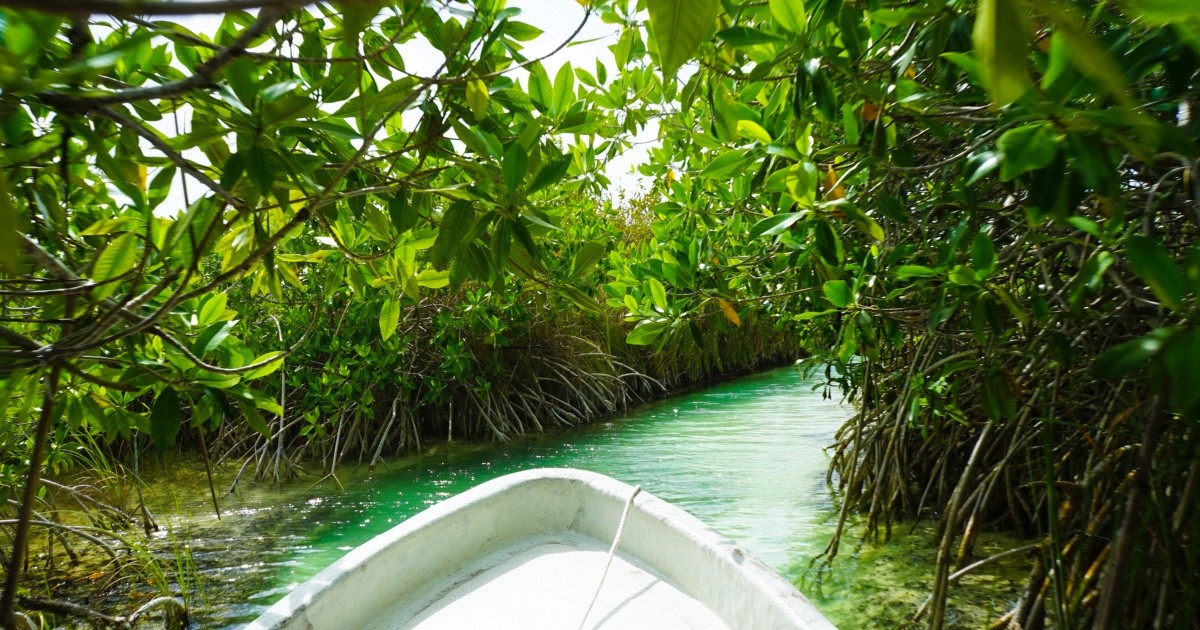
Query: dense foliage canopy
{"points": [[978, 218]]}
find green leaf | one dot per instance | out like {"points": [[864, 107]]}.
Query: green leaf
{"points": [[1092, 59], [393, 95], [838, 293], [904, 272], [540, 88], [1011, 304], [906, 16], [456, 225], [588, 255], [983, 253], [753, 131], [117, 258], [799, 180], [829, 244], [777, 224], [789, 14], [645, 333], [967, 62], [253, 418], [402, 213], [747, 37], [114, 225], [1001, 42], [963, 275], [165, 419], [1027, 148], [825, 96], [807, 315], [356, 16], [242, 76], [678, 27], [1085, 225], [213, 309], [1163, 11], [1124, 358], [861, 220], [514, 165], [276, 361], [477, 98], [521, 31], [211, 337], [1151, 261], [277, 90], [268, 405], [981, 165], [433, 279], [1182, 359], [389, 318], [658, 294], [521, 231], [726, 165], [564, 88], [550, 173], [580, 299], [262, 165]]}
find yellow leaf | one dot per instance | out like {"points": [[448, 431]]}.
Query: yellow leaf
{"points": [[140, 173], [730, 313], [870, 111], [834, 192]]}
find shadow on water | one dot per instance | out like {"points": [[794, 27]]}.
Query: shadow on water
{"points": [[746, 457]]}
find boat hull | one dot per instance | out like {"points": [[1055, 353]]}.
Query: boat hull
{"points": [[527, 550]]}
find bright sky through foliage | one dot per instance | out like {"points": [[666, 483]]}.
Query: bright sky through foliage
{"points": [[557, 19]]}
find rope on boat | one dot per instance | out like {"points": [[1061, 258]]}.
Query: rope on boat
{"points": [[612, 551]]}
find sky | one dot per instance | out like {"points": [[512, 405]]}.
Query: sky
{"points": [[556, 18]]}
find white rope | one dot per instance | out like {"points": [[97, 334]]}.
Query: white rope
{"points": [[612, 551]]}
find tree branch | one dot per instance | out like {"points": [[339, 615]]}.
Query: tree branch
{"points": [[120, 8], [203, 78]]}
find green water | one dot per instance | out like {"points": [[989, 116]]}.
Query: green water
{"points": [[746, 457]]}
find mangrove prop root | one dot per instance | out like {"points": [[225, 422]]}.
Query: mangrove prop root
{"points": [[1107, 613], [25, 514], [174, 612]]}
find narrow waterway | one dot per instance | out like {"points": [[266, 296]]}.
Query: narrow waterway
{"points": [[746, 457]]}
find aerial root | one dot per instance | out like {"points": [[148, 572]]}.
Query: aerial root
{"points": [[175, 614]]}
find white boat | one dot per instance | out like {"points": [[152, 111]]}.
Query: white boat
{"points": [[532, 550]]}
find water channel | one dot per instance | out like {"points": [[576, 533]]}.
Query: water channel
{"points": [[745, 456]]}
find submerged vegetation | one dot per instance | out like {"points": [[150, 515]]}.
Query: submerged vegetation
{"points": [[278, 242]]}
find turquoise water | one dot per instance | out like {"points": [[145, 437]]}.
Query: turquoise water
{"points": [[745, 456]]}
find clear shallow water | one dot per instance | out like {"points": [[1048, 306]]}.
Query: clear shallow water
{"points": [[746, 457]]}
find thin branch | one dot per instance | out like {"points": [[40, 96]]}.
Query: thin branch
{"points": [[32, 483], [173, 155], [202, 79], [122, 8]]}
